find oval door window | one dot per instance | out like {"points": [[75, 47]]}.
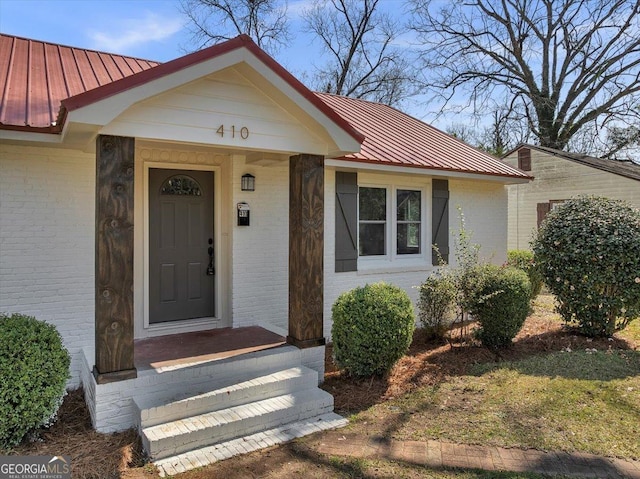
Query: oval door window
{"points": [[181, 185]]}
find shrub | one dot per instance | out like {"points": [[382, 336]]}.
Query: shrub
{"points": [[35, 368], [588, 250], [372, 328], [523, 259], [501, 305], [437, 304]]}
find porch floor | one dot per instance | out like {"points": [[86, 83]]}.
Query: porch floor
{"points": [[186, 349]]}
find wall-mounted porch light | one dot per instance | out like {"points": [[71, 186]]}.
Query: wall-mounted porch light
{"points": [[248, 182]]}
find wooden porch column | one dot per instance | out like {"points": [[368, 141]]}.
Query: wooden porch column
{"points": [[114, 259], [306, 250]]}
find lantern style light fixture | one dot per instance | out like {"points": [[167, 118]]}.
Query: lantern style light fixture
{"points": [[248, 182]]}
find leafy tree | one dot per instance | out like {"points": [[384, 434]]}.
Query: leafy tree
{"points": [[358, 39], [588, 250], [566, 64], [214, 21]]}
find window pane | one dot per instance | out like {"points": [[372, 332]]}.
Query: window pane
{"points": [[408, 238], [372, 239], [373, 204], [408, 205], [181, 185]]}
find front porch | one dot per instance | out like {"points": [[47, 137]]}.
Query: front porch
{"points": [[205, 396], [173, 254], [175, 351]]}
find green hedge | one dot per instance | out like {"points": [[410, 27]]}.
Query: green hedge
{"points": [[523, 259], [372, 328], [35, 368], [501, 305], [437, 304]]}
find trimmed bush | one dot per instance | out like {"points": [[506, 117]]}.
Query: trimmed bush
{"points": [[501, 305], [35, 368], [588, 250], [372, 328], [437, 304], [523, 259]]}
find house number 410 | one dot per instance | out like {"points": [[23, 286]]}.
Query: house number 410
{"points": [[241, 132]]}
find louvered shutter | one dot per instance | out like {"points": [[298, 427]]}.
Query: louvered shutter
{"points": [[346, 221], [542, 210], [524, 159], [440, 219]]}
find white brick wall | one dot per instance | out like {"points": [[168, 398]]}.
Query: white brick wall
{"points": [[47, 240], [484, 204], [261, 250]]}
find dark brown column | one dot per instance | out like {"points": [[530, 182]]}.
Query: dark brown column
{"points": [[114, 259], [306, 250]]}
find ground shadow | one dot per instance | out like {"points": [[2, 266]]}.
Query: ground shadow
{"points": [[428, 362]]}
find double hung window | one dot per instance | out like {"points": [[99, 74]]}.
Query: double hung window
{"points": [[390, 222]]}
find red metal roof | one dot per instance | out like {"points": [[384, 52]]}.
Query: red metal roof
{"points": [[36, 76], [40, 82], [395, 138], [33, 74]]}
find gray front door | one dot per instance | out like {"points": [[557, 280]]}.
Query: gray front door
{"points": [[181, 269]]}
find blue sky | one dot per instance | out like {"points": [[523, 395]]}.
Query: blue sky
{"points": [[148, 29]]}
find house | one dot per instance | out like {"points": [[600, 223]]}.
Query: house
{"points": [[168, 217], [560, 175]]}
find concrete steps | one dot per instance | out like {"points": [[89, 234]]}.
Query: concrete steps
{"points": [[182, 432], [208, 455], [263, 387]]}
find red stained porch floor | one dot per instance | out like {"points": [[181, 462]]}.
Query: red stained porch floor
{"points": [[179, 350]]}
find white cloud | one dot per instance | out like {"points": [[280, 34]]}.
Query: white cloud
{"points": [[128, 34], [296, 8]]}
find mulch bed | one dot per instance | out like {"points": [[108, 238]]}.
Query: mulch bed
{"points": [[428, 362], [93, 455]]}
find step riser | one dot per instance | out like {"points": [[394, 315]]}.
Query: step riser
{"points": [[170, 386], [180, 463], [213, 434], [232, 396]]}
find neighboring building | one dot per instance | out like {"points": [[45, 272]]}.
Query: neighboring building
{"points": [[558, 176], [125, 221]]}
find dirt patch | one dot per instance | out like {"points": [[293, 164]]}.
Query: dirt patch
{"points": [[428, 362]]}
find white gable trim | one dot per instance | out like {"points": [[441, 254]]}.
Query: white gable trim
{"points": [[104, 111]]}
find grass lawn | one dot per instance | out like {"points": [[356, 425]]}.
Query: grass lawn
{"points": [[577, 401], [553, 390]]}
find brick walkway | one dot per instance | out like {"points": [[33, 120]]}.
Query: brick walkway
{"points": [[443, 454]]}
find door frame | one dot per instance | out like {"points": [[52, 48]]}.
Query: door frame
{"points": [[194, 324]]}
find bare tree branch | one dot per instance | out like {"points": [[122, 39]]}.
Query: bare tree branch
{"points": [[568, 64], [363, 62], [214, 21]]}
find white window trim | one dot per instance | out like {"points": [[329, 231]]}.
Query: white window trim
{"points": [[391, 259]]}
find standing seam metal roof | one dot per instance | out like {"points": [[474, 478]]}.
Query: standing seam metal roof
{"points": [[37, 77], [393, 137]]}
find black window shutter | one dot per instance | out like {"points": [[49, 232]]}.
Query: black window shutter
{"points": [[440, 219], [346, 221]]}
